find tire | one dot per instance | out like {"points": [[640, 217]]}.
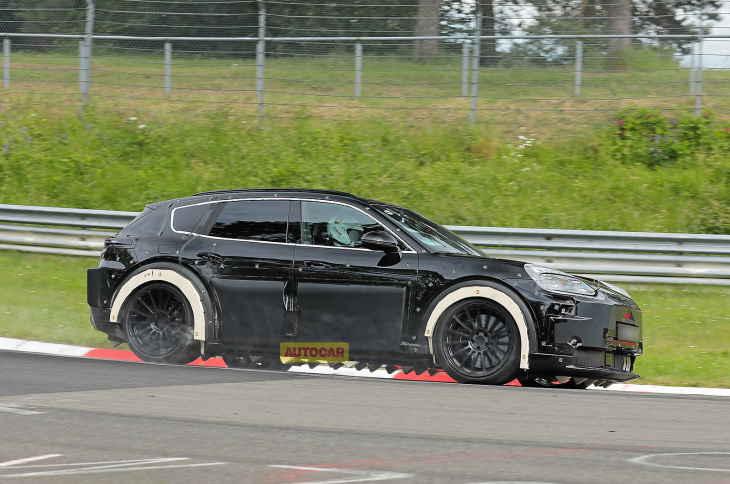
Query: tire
{"points": [[158, 322], [477, 341]]}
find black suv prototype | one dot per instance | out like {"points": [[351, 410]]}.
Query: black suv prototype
{"points": [[242, 273]]}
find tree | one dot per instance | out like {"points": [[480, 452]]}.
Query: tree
{"points": [[461, 18], [488, 48], [613, 17], [618, 22], [427, 25]]}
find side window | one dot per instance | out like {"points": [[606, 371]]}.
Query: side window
{"points": [[185, 219], [259, 220], [334, 225]]}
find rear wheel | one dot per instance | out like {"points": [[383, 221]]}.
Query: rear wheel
{"points": [[477, 341], [158, 322]]}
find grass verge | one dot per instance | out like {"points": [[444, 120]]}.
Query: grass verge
{"points": [[455, 175], [685, 327]]}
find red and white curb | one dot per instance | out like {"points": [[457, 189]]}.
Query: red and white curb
{"points": [[121, 355]]}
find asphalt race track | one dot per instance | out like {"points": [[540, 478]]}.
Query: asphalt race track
{"points": [[82, 420]]}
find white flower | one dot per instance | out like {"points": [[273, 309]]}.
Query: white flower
{"points": [[141, 126], [133, 118]]}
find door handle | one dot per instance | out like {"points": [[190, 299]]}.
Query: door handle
{"points": [[314, 265]]}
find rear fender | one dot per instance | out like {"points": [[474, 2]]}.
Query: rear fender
{"points": [[177, 276]]}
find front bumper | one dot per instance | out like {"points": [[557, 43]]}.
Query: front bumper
{"points": [[593, 364]]}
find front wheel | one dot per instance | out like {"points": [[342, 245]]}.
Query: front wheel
{"points": [[158, 322], [477, 341]]}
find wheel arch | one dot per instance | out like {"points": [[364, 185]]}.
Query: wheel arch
{"points": [[495, 292], [183, 279]]}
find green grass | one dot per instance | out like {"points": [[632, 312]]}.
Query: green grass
{"points": [[454, 174], [685, 327], [394, 88], [686, 341], [44, 299]]}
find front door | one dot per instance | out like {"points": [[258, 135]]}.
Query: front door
{"points": [[346, 293]]}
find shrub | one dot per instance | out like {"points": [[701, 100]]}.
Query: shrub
{"points": [[653, 139]]}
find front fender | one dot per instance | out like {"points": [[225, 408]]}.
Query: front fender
{"points": [[497, 293]]}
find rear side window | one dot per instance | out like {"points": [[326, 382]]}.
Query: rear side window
{"points": [[258, 220], [185, 219], [149, 222]]}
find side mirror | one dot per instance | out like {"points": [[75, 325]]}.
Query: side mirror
{"points": [[380, 240]]}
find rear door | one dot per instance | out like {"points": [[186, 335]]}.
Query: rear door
{"points": [[251, 264]]}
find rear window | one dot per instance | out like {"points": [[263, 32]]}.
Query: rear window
{"points": [[185, 219], [256, 220]]}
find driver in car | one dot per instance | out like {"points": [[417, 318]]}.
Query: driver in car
{"points": [[343, 233]]}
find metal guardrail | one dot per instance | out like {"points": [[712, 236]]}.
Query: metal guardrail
{"points": [[613, 256], [69, 231]]}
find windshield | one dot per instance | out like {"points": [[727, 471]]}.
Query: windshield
{"points": [[430, 234]]}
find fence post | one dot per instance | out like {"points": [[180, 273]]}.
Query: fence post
{"points": [[82, 64], [465, 69], [578, 66], [698, 76], [693, 59], [475, 51], [87, 49], [6, 63], [261, 59], [358, 69], [168, 66]]}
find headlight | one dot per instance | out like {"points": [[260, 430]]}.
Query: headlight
{"points": [[613, 287], [557, 281]]}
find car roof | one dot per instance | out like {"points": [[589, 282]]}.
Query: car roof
{"points": [[276, 190]]}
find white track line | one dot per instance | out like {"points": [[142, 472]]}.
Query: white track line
{"points": [[28, 459], [67, 350], [11, 408], [44, 348], [359, 475]]}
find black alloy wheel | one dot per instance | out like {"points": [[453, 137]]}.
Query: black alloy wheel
{"points": [[477, 341], [158, 321]]}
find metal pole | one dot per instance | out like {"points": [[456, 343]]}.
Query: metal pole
{"points": [[82, 55], [693, 60], [87, 49], [578, 66], [168, 67], [358, 69], [475, 51], [261, 60], [465, 69], [6, 63], [698, 77]]}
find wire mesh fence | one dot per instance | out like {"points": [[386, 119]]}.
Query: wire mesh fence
{"points": [[522, 67]]}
